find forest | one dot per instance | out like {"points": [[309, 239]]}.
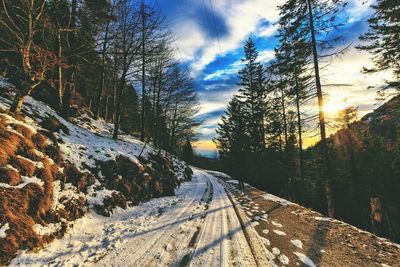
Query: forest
{"points": [[114, 58], [352, 173], [117, 60]]}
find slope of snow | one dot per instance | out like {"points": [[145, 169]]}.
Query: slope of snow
{"points": [[91, 140], [161, 232], [85, 146]]}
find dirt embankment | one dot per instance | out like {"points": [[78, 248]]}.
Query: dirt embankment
{"points": [[294, 235]]}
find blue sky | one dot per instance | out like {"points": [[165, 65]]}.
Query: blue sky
{"points": [[215, 64]]}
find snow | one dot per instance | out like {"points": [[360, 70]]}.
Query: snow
{"points": [[283, 259], [25, 180], [385, 265], [96, 197], [297, 243], [324, 219], [277, 224], [276, 251], [265, 231], [266, 241], [9, 167], [11, 120], [306, 260], [220, 174], [276, 199], [279, 232], [92, 142], [154, 233], [69, 192], [48, 229], [3, 230]]}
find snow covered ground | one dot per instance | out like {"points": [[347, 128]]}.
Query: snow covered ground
{"points": [[197, 227]]}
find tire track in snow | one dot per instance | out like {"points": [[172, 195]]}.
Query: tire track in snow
{"points": [[142, 249], [221, 244], [171, 240]]}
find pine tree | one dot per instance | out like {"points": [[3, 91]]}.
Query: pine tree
{"points": [[252, 93], [187, 152], [383, 40], [232, 139], [309, 20], [291, 64]]}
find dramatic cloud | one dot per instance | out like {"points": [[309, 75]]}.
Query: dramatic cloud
{"points": [[215, 64]]}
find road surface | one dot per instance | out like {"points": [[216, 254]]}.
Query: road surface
{"points": [[201, 229]]}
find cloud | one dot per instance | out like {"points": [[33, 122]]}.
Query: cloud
{"points": [[358, 9], [241, 18], [233, 68], [188, 47], [216, 65]]}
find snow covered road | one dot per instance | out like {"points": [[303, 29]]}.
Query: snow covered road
{"points": [[197, 227]]}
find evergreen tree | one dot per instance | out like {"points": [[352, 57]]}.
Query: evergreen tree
{"points": [[383, 40], [252, 93], [187, 152], [309, 21], [232, 141]]}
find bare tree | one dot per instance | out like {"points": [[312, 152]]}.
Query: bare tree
{"points": [[23, 22]]}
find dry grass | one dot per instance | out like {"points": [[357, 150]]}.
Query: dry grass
{"points": [[23, 207], [9, 176]]}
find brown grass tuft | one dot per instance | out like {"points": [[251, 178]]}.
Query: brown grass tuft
{"points": [[25, 166], [9, 176], [14, 207], [23, 207], [26, 132]]}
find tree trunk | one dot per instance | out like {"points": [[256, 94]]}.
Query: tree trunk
{"points": [[288, 182], [60, 77], [17, 103], [324, 146], [19, 99], [99, 97], [301, 160], [143, 74], [118, 107]]}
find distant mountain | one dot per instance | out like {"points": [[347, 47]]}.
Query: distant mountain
{"points": [[388, 111]]}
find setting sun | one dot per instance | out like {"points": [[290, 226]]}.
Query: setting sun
{"points": [[333, 106]]}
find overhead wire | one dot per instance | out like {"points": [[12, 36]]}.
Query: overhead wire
{"points": [[170, 32], [219, 57]]}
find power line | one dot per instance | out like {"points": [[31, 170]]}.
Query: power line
{"points": [[219, 58], [216, 28], [170, 32]]}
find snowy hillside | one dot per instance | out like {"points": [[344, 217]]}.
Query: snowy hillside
{"points": [[85, 171]]}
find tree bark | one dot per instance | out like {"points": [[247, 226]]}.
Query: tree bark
{"points": [[19, 99], [299, 126], [324, 145], [142, 131], [99, 97]]}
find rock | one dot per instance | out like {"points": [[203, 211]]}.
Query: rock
{"points": [[54, 125]]}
